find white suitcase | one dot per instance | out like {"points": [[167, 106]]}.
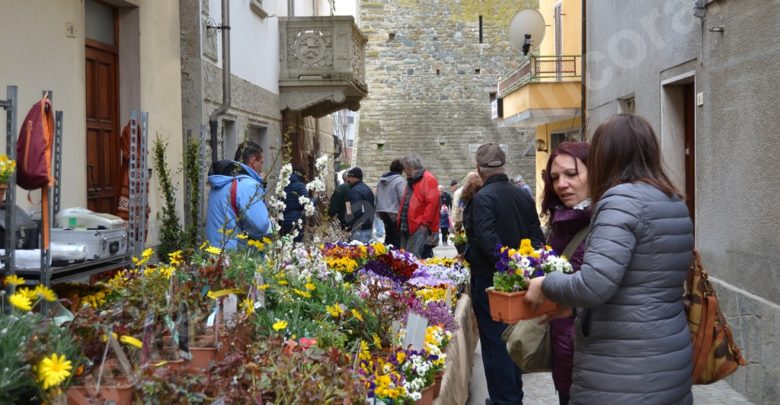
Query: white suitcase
{"points": [[100, 243]]}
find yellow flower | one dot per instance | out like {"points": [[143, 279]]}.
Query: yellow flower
{"points": [[379, 248], [357, 314], [548, 247], [242, 236], [147, 253], [249, 306], [29, 293], [167, 271], [525, 243], [335, 310], [304, 294], [400, 357], [53, 370], [129, 340], [204, 245], [283, 282], [263, 287], [45, 293], [20, 301], [311, 286], [266, 240], [104, 338], [256, 243], [512, 252], [279, 325], [377, 341], [95, 300], [176, 258], [213, 250], [13, 280]]}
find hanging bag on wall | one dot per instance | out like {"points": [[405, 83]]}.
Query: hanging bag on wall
{"points": [[715, 354], [33, 149]]}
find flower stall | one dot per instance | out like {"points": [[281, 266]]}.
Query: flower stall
{"points": [[270, 322]]}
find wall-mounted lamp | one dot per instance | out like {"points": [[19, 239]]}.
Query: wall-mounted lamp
{"points": [[541, 145]]}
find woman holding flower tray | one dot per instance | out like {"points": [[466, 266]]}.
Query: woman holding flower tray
{"points": [[632, 342], [566, 205]]}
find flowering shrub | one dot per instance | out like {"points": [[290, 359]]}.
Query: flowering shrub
{"points": [[517, 266], [7, 168]]}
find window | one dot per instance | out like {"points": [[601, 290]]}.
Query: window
{"points": [[557, 138], [627, 105]]}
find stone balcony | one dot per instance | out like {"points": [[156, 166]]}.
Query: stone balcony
{"points": [[322, 64]]}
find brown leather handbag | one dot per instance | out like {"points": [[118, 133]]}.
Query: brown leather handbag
{"points": [[715, 354]]}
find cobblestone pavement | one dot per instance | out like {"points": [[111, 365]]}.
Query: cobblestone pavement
{"points": [[539, 390]]}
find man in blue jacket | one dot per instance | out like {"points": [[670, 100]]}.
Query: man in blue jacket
{"points": [[360, 210], [236, 199]]}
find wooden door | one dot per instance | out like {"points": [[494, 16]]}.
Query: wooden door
{"points": [[690, 148], [102, 128]]}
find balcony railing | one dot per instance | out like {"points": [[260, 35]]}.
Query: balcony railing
{"points": [[541, 69], [322, 64]]}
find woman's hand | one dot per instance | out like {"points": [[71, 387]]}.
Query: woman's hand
{"points": [[534, 295]]}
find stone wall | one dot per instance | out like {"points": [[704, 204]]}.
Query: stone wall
{"points": [[429, 81]]}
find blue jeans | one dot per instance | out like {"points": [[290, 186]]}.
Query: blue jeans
{"points": [[363, 235], [504, 378]]}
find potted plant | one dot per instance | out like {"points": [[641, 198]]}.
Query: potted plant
{"points": [[515, 267], [7, 168], [459, 239]]}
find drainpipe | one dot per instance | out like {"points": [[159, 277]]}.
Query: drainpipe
{"points": [[213, 118], [584, 71]]}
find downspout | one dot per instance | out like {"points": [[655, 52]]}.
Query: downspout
{"points": [[584, 71], [213, 118]]}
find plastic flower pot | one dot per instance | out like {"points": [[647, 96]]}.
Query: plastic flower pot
{"points": [[202, 357], [437, 384], [509, 307], [427, 397], [460, 247], [119, 392]]}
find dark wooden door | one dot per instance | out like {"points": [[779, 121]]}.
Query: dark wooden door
{"points": [[102, 129], [690, 149]]}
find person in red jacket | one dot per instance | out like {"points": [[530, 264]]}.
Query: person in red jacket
{"points": [[418, 216]]}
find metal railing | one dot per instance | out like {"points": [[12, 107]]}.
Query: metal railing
{"points": [[541, 69]]}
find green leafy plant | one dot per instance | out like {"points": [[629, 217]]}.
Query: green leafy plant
{"points": [[170, 227], [192, 172]]}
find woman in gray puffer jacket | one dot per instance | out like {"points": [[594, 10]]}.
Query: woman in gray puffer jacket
{"points": [[632, 343]]}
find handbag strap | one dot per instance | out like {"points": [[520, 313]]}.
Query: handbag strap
{"points": [[703, 339], [574, 243]]}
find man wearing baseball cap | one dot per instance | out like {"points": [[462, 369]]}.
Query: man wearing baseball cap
{"points": [[500, 214]]}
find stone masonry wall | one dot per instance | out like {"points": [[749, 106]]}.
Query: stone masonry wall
{"points": [[429, 81]]}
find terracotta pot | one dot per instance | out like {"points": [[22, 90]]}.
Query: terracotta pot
{"points": [[460, 247], [427, 397], [3, 187], [119, 392], [510, 307], [202, 357], [437, 384]]}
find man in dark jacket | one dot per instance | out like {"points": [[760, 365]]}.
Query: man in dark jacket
{"points": [[360, 206], [500, 214], [338, 201], [293, 209]]}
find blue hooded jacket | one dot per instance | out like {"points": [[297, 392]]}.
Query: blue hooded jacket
{"points": [[249, 198]]}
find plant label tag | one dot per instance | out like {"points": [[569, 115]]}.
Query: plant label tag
{"points": [[229, 308], [395, 327], [147, 337], [415, 331], [211, 319], [256, 293], [122, 357], [448, 297]]}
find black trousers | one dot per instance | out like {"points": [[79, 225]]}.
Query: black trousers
{"points": [[392, 234]]}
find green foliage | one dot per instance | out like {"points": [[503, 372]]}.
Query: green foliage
{"points": [[24, 341], [192, 169], [170, 227]]}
